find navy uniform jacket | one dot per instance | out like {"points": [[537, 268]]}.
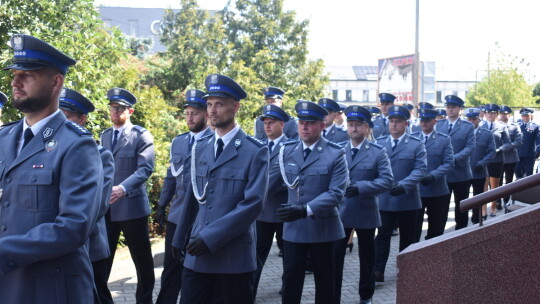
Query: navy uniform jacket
{"points": [[277, 190], [379, 128], [371, 173], [98, 243], [49, 206], [178, 175], [531, 139], [484, 151], [409, 165], [516, 140], [336, 135], [235, 189], [502, 140], [462, 139], [290, 129], [440, 161], [322, 179], [134, 163]]}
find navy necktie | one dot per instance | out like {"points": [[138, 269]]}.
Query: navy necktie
{"points": [[353, 152], [450, 128], [324, 133], [115, 138], [191, 140], [426, 138], [306, 153], [395, 144], [270, 146], [219, 147], [491, 126], [384, 121], [28, 135]]}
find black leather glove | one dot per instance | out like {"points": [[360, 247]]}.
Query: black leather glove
{"points": [[178, 254], [537, 155], [160, 215], [397, 190], [351, 191], [197, 247], [428, 179], [291, 212]]}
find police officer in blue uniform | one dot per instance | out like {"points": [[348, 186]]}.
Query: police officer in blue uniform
{"points": [[461, 134], [133, 150], [339, 120], [433, 187], [369, 175], [51, 182], [76, 107], [441, 114], [502, 144], [268, 223], [484, 151], [415, 126], [331, 131], [175, 187], [229, 179], [530, 148], [274, 96], [511, 156], [380, 123], [401, 204], [315, 172]]}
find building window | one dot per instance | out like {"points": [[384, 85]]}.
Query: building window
{"points": [[348, 95], [133, 28], [365, 95], [335, 94], [439, 96]]}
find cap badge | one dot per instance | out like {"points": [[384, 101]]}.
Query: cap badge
{"points": [[214, 79], [47, 132], [18, 43], [50, 145], [192, 93], [304, 106], [116, 91], [268, 108], [266, 90], [355, 108], [237, 142]]}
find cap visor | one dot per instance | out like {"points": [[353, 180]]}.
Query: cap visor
{"points": [[121, 102], [26, 66], [218, 94]]}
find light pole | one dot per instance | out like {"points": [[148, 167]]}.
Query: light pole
{"points": [[416, 66]]}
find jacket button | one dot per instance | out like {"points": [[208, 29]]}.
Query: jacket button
{"points": [[207, 222], [3, 228], [57, 270], [6, 204], [8, 180], [34, 179], [209, 207]]}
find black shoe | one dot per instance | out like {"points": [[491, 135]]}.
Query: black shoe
{"points": [[379, 276], [368, 301], [395, 232], [350, 246], [499, 205]]}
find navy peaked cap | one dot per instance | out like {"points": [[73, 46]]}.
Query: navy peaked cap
{"points": [[386, 98], [121, 96], [74, 101], [342, 107], [274, 112], [506, 109], [31, 53], [472, 112], [222, 86], [442, 112], [425, 105], [329, 104], [309, 111], [408, 106], [526, 111], [358, 113], [374, 110], [399, 112], [492, 107], [454, 100], [3, 99], [194, 98], [427, 114], [273, 92]]}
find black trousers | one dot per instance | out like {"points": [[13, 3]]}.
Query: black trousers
{"points": [[366, 254], [524, 167], [101, 276], [265, 238], [406, 222], [478, 187], [171, 277], [210, 288], [294, 265], [137, 239], [436, 209], [461, 192], [508, 172]]}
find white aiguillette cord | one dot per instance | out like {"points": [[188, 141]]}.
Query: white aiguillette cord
{"points": [[201, 198], [282, 170]]}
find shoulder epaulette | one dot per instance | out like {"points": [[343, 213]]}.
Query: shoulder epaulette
{"points": [[255, 140], [78, 129], [442, 134], [415, 134], [106, 130], [205, 137], [333, 144], [382, 137], [140, 129], [414, 138], [376, 145], [182, 134], [466, 121], [291, 141], [9, 124]]}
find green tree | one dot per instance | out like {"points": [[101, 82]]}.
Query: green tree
{"points": [[504, 84], [536, 92]]}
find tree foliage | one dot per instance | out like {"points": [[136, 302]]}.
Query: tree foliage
{"points": [[504, 84]]}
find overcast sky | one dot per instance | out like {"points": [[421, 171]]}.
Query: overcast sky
{"points": [[457, 34]]}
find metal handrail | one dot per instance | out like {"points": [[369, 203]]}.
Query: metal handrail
{"points": [[483, 198]]}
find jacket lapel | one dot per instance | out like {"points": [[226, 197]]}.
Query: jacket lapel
{"points": [[122, 140], [314, 155], [230, 151], [362, 153]]}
